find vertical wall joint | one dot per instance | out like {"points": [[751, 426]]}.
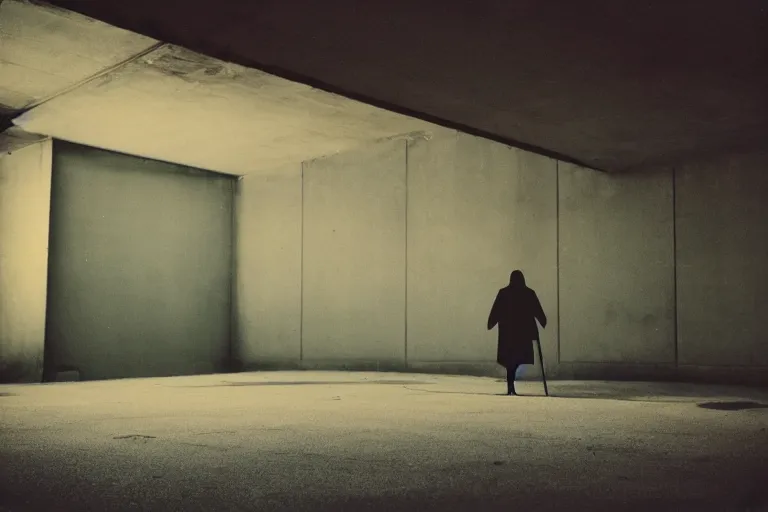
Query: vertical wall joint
{"points": [[301, 272], [674, 266], [405, 327], [557, 251]]}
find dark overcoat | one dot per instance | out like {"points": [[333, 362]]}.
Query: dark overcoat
{"points": [[515, 311]]}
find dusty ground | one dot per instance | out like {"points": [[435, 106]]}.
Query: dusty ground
{"points": [[380, 441]]}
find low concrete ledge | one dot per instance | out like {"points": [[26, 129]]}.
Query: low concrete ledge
{"points": [[744, 375], [614, 371], [473, 368], [749, 376], [21, 370], [738, 375], [270, 365], [354, 365], [326, 364]]}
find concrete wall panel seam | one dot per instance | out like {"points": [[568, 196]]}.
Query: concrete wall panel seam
{"points": [[233, 317], [405, 268], [674, 264], [557, 251], [301, 270]]}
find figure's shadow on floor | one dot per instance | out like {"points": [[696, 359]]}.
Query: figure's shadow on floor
{"points": [[732, 406], [723, 405], [720, 405]]}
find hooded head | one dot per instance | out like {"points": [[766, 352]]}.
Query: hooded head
{"points": [[516, 279]]}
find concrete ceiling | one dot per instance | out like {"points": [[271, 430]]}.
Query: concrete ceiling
{"points": [[70, 77], [46, 50], [613, 84]]}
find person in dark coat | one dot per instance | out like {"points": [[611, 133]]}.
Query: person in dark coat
{"points": [[516, 310]]}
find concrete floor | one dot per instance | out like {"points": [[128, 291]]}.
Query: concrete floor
{"points": [[380, 441]]}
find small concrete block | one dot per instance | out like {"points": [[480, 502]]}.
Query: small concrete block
{"points": [[68, 376]]}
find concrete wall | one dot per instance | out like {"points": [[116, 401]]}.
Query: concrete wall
{"points": [[617, 277], [476, 211], [402, 253], [139, 268], [268, 268], [722, 263], [656, 275], [25, 194], [383, 258], [353, 264]]}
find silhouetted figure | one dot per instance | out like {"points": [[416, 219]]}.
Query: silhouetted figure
{"points": [[516, 310]]}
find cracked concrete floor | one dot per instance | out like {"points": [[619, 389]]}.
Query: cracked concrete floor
{"points": [[380, 441]]}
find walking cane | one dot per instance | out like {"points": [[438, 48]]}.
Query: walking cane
{"points": [[541, 360]]}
